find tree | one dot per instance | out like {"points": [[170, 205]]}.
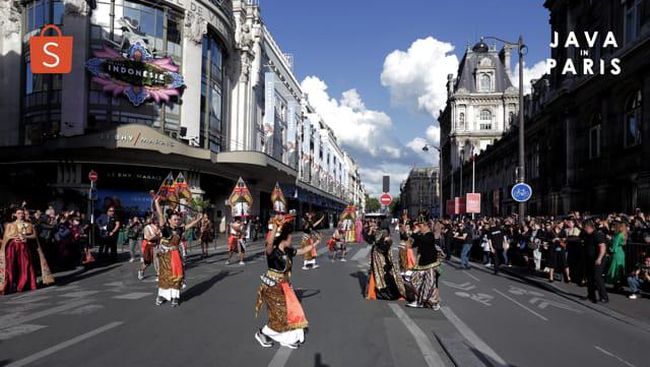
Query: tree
{"points": [[372, 204], [395, 207]]}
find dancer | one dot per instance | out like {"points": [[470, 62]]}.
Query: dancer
{"points": [[207, 234], [286, 318], [171, 273], [336, 246], [235, 241], [150, 247], [17, 271], [310, 236], [423, 281], [385, 281], [406, 257]]}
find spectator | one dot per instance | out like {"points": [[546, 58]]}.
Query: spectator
{"points": [[616, 272], [640, 278], [109, 227], [134, 234]]}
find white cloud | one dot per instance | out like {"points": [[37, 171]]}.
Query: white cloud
{"points": [[536, 72], [354, 125], [417, 77]]}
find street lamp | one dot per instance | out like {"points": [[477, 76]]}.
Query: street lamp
{"points": [[521, 176], [426, 149], [462, 163]]}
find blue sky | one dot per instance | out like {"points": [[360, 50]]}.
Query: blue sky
{"points": [[344, 46]]}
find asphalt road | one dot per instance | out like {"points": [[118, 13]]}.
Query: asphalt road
{"points": [[106, 317]]}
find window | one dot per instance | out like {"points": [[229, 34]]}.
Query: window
{"points": [[486, 120], [632, 20], [485, 83], [594, 137], [211, 94], [633, 120]]}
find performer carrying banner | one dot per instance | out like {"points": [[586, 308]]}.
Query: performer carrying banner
{"points": [[286, 318], [310, 237], [171, 273]]}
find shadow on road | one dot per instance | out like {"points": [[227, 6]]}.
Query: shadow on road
{"points": [[318, 361], [4, 362], [306, 293], [89, 273], [362, 278], [205, 285]]}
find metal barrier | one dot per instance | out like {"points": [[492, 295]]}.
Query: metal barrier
{"points": [[634, 254]]}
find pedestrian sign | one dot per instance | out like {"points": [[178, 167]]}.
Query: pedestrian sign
{"points": [[521, 192]]}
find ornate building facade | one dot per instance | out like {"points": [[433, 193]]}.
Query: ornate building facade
{"points": [[193, 86]]}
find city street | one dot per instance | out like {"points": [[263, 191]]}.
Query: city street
{"points": [[107, 317]]}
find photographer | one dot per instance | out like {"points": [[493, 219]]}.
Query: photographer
{"points": [[640, 278]]}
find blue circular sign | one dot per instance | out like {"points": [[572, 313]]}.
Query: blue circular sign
{"points": [[521, 192]]}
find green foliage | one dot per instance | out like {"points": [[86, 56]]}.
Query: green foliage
{"points": [[372, 204]]}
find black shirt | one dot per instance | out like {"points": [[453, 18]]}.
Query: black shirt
{"points": [[281, 260], [591, 244], [426, 245], [496, 236]]}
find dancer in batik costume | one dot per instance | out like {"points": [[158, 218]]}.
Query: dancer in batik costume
{"points": [[286, 318], [422, 281]]}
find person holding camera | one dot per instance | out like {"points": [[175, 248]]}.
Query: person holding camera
{"points": [[640, 278]]}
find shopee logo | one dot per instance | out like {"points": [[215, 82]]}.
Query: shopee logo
{"points": [[51, 55]]}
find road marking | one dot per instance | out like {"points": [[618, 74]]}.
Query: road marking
{"points": [[478, 297], [51, 350], [11, 332], [48, 312], [280, 357], [543, 303], [614, 356], [134, 295], [24, 300], [80, 294], [361, 254], [521, 305], [471, 276], [472, 338], [83, 310], [467, 286], [431, 357]]}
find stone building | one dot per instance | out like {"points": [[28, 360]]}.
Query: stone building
{"points": [[420, 191]]}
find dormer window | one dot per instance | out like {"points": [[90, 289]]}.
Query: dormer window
{"points": [[485, 83]]}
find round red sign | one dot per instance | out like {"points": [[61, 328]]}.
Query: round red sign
{"points": [[385, 199], [92, 176]]}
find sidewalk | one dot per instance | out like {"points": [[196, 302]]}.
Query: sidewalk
{"points": [[634, 312]]}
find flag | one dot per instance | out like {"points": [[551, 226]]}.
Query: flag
{"points": [[182, 188], [165, 186], [278, 200], [240, 199]]}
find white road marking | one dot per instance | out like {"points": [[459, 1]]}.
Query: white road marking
{"points": [[80, 294], [472, 338], [83, 310], [362, 254], [48, 312], [471, 276], [14, 331], [24, 300], [543, 303], [280, 357], [431, 357], [133, 295], [467, 286], [614, 356], [521, 305], [51, 350]]}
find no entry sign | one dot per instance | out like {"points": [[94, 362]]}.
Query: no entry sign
{"points": [[92, 176], [385, 199]]}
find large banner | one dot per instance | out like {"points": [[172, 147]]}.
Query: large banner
{"points": [[269, 104], [291, 131], [473, 203]]}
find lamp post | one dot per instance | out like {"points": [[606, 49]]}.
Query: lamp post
{"points": [[521, 173], [426, 149], [462, 163]]}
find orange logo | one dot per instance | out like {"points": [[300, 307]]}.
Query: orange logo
{"points": [[51, 55]]}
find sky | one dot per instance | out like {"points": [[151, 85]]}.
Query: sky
{"points": [[376, 70]]}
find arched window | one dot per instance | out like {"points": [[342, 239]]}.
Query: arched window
{"points": [[633, 120], [486, 83], [486, 120], [461, 121]]}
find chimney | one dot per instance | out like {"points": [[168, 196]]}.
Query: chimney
{"points": [[504, 56]]}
